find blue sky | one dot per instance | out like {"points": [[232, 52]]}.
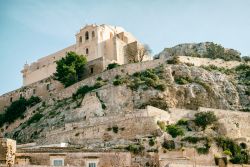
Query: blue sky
{"points": [[30, 29]]}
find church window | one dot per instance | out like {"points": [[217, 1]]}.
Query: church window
{"points": [[11, 99], [86, 36], [87, 51], [93, 34]]}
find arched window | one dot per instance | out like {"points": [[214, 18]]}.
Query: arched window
{"points": [[87, 51], [93, 34], [80, 39], [11, 99], [86, 36]]}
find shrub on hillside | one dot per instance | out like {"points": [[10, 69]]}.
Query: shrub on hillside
{"points": [[238, 156], [203, 119], [112, 65], [136, 149], [175, 130], [215, 51], [35, 118], [17, 109], [174, 60], [119, 80]]}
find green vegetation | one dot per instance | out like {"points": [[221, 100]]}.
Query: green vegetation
{"points": [[102, 102], [219, 69], [175, 130], [17, 109], [193, 139], [174, 60], [81, 91], [168, 144], [203, 119], [245, 58], [243, 74], [215, 51], [70, 69], [238, 154], [204, 149], [148, 78], [156, 102], [151, 142], [183, 80], [162, 125], [182, 122], [112, 65], [119, 80], [134, 148], [35, 118]]}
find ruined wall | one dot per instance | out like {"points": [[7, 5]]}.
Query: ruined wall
{"points": [[56, 88], [43, 89], [98, 129], [234, 124], [7, 151]]}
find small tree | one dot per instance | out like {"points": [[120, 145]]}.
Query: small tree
{"points": [[70, 69], [137, 53], [203, 119], [175, 130]]}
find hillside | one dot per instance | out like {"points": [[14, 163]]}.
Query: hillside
{"points": [[104, 101], [179, 86], [202, 50]]}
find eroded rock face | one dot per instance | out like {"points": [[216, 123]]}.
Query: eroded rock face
{"points": [[201, 88], [204, 88], [193, 50]]}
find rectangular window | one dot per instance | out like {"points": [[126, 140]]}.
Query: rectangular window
{"points": [[92, 164], [92, 70], [58, 162]]}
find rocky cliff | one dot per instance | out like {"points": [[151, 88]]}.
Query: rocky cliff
{"points": [[120, 107], [166, 86], [203, 49]]}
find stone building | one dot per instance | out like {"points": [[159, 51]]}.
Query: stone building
{"points": [[7, 152], [101, 44]]}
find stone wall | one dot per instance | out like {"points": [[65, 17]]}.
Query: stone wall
{"points": [[234, 124], [44, 67], [196, 61], [43, 89], [7, 151], [99, 129], [56, 88]]}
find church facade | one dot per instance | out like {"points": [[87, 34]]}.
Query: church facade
{"points": [[101, 44]]}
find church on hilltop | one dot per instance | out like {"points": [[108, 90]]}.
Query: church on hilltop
{"points": [[101, 44]]}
